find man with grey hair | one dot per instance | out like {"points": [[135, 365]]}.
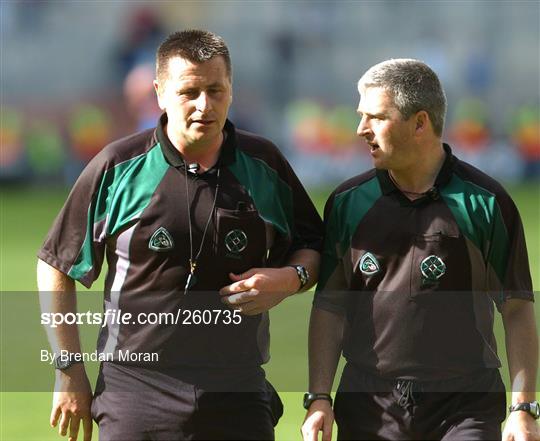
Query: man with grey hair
{"points": [[417, 253]]}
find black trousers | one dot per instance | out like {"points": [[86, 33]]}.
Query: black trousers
{"points": [[139, 404], [470, 408]]}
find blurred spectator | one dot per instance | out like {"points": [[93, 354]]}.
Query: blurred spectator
{"points": [[525, 135], [89, 130], [283, 54], [469, 130], [12, 151], [314, 127], [45, 147], [140, 96], [144, 34]]}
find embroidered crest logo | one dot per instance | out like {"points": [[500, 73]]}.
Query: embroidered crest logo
{"points": [[236, 241], [161, 240], [432, 268], [369, 264]]}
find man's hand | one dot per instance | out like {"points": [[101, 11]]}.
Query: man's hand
{"points": [[520, 426], [71, 403], [320, 416], [259, 289]]}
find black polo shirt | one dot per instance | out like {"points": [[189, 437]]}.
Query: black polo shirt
{"points": [[129, 207], [418, 280]]}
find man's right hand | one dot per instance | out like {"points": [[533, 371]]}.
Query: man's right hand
{"points": [[71, 403], [320, 416]]}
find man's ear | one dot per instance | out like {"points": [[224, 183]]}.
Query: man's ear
{"points": [[422, 122], [158, 87]]}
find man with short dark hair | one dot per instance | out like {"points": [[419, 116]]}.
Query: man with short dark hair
{"points": [[201, 224], [417, 252]]}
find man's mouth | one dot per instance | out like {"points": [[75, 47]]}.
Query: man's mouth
{"points": [[203, 122]]}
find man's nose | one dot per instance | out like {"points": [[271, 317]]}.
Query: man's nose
{"points": [[363, 127], [203, 102]]}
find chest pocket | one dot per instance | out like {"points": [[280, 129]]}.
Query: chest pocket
{"points": [[240, 239], [439, 262]]}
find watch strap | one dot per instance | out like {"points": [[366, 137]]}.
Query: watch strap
{"points": [[309, 398], [532, 408], [302, 273], [62, 364]]}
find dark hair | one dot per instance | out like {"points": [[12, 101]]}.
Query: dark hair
{"points": [[194, 45], [414, 86]]}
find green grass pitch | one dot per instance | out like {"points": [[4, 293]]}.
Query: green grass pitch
{"points": [[26, 215]]}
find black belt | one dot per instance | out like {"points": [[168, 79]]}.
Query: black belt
{"points": [[355, 379]]}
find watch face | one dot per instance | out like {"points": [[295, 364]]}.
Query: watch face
{"points": [[535, 409], [302, 275], [61, 362]]}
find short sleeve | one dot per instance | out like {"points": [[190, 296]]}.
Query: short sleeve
{"points": [[76, 242], [332, 289], [510, 276], [279, 197]]}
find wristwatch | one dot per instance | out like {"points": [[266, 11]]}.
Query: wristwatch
{"points": [[533, 408], [310, 398], [303, 274], [62, 362]]}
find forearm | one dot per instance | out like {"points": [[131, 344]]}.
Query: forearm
{"points": [[521, 348], [325, 344], [57, 294], [310, 260], [73, 395]]}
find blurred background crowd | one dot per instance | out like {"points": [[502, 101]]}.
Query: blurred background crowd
{"points": [[77, 75]]}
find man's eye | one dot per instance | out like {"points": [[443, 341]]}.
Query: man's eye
{"points": [[189, 94]]}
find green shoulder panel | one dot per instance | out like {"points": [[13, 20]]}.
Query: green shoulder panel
{"points": [[271, 195], [349, 208], [479, 218], [124, 192]]}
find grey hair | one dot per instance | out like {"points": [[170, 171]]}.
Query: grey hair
{"points": [[414, 86]]}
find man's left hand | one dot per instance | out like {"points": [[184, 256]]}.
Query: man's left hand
{"points": [[520, 426], [259, 289]]}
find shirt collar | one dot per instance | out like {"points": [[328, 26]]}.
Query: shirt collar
{"points": [[445, 173], [175, 158]]}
